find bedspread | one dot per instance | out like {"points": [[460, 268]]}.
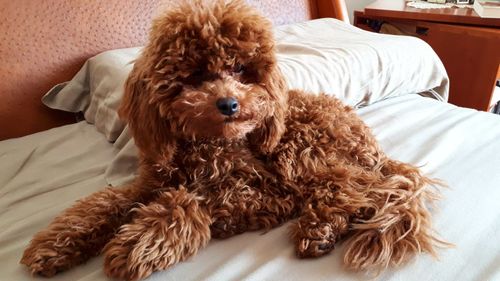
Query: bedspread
{"points": [[44, 173]]}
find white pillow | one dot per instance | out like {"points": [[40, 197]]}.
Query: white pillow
{"points": [[357, 66], [96, 90], [324, 55]]}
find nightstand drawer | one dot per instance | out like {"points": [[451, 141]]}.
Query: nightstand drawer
{"points": [[471, 56]]}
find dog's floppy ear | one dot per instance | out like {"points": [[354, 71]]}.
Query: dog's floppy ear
{"points": [[151, 132], [268, 134]]}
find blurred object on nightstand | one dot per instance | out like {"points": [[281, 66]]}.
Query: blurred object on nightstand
{"points": [[487, 8], [438, 4], [437, 1]]}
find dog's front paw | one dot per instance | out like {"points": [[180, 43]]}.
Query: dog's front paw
{"points": [[311, 248], [315, 240], [137, 251], [115, 260], [315, 235], [226, 226], [47, 257], [166, 231]]}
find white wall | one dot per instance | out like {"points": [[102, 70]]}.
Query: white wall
{"points": [[356, 5]]}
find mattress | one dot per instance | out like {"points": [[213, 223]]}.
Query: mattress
{"points": [[44, 173]]}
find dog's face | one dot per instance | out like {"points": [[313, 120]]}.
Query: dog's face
{"points": [[209, 71]]}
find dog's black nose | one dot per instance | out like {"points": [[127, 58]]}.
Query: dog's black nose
{"points": [[227, 106]]}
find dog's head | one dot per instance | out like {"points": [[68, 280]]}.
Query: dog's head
{"points": [[208, 72]]}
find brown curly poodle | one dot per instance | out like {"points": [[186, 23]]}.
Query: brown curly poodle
{"points": [[226, 148]]}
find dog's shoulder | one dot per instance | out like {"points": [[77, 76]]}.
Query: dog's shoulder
{"points": [[310, 108]]}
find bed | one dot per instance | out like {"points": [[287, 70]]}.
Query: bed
{"points": [[45, 172]]}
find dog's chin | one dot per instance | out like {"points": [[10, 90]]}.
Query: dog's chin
{"points": [[224, 130], [235, 129]]}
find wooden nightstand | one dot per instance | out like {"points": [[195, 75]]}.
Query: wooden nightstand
{"points": [[468, 45]]}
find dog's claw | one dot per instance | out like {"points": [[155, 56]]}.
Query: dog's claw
{"points": [[311, 248]]}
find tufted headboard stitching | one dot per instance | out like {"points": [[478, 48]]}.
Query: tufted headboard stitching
{"points": [[45, 42]]}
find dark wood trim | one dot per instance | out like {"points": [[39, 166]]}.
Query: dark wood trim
{"points": [[332, 9]]}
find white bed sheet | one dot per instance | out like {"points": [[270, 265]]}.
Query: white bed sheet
{"points": [[44, 173]]}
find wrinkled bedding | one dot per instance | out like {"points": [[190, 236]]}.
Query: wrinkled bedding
{"points": [[44, 173]]}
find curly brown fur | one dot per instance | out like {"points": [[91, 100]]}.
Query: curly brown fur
{"points": [[204, 173], [162, 233], [81, 231], [352, 188]]}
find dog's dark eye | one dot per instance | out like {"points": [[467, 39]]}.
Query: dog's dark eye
{"points": [[238, 69], [197, 74], [195, 78]]}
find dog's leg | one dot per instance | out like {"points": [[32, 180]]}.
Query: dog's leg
{"points": [[318, 229], [237, 214], [399, 224], [80, 232], [168, 230]]}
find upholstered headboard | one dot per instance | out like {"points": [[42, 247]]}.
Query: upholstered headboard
{"points": [[45, 42]]}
